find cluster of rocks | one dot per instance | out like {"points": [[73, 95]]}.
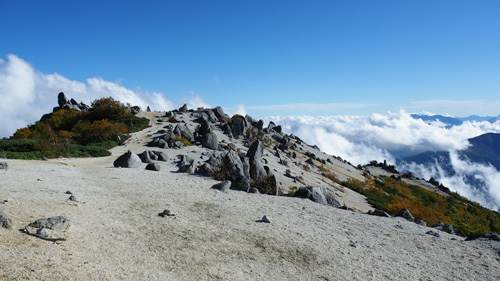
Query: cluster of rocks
{"points": [[132, 160], [245, 170], [43, 226], [65, 103]]}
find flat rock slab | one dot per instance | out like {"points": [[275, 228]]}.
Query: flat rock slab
{"points": [[55, 223], [223, 186]]}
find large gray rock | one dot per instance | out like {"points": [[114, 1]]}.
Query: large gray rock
{"points": [[318, 195], [204, 168], [62, 99], [169, 136], [210, 141], [145, 157], [5, 221], [184, 108], [55, 223], [257, 170], [234, 165], [153, 167], [204, 128], [187, 165], [223, 186], [227, 130], [128, 160], [207, 115], [405, 213], [219, 113], [238, 125], [4, 165], [163, 144], [161, 156], [183, 131]]}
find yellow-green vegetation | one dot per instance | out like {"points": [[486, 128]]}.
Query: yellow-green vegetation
{"points": [[330, 175], [184, 141], [391, 196], [75, 133], [291, 191]]}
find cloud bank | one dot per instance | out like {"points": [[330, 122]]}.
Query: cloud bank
{"points": [[26, 94], [360, 139]]}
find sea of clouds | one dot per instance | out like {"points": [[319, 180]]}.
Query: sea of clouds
{"points": [[26, 94], [360, 139]]}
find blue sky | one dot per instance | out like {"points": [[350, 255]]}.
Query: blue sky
{"points": [[315, 57]]}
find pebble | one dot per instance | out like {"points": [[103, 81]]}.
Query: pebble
{"points": [[265, 219], [166, 213]]}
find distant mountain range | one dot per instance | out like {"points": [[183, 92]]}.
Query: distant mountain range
{"points": [[484, 149], [454, 121]]}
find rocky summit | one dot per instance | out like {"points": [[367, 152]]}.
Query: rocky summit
{"points": [[200, 195]]}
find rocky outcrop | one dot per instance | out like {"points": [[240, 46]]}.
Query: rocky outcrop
{"points": [[405, 213], [318, 195], [128, 160], [65, 103]]}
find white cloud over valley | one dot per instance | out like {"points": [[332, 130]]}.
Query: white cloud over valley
{"points": [[360, 139]]}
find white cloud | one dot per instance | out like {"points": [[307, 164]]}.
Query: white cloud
{"points": [[395, 132], [238, 109], [194, 101], [311, 107], [26, 94]]}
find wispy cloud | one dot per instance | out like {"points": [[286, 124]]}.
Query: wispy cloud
{"points": [[457, 108], [216, 79], [27, 94], [311, 107]]}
